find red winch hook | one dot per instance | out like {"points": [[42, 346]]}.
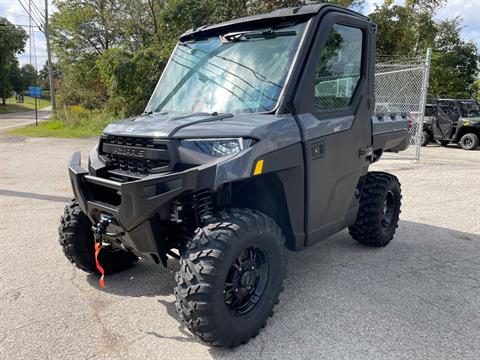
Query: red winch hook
{"points": [[98, 231]]}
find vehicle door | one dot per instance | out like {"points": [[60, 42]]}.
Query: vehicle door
{"points": [[334, 103], [447, 115]]}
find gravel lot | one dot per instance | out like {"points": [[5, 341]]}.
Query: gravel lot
{"points": [[418, 298]]}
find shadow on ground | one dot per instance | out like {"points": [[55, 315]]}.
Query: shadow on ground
{"points": [[416, 298]]}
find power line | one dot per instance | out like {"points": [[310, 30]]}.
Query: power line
{"points": [[28, 12], [30, 34], [39, 12], [35, 53], [49, 61], [31, 11]]}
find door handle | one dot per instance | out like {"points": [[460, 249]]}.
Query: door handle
{"points": [[367, 151], [317, 150]]}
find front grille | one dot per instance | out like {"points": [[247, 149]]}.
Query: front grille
{"points": [[135, 157], [135, 166], [137, 142]]}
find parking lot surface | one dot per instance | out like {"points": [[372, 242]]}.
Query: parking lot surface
{"points": [[418, 298]]}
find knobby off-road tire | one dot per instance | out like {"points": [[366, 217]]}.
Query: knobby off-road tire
{"points": [[379, 210], [78, 244], [469, 141], [425, 140], [205, 293]]}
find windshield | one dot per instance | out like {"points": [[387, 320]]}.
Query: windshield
{"points": [[470, 109], [240, 72]]}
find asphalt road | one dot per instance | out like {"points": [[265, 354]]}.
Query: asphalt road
{"points": [[418, 298], [20, 119]]}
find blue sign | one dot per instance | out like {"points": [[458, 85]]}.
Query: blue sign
{"points": [[34, 91]]}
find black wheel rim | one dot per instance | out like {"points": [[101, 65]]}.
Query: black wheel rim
{"points": [[246, 281], [467, 142], [388, 209]]}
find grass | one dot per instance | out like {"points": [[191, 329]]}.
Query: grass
{"points": [[75, 121], [27, 105]]}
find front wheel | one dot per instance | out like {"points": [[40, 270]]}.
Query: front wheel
{"points": [[469, 141], [425, 138], [231, 276], [377, 217], [78, 244]]}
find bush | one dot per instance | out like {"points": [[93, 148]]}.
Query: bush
{"points": [[80, 120], [129, 78]]}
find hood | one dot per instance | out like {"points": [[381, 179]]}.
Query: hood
{"points": [[282, 128]]}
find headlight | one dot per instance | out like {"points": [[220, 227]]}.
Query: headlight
{"points": [[217, 147]]}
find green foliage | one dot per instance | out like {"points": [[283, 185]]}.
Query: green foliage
{"points": [[12, 41], [29, 76], [15, 77], [454, 63], [405, 30], [408, 30], [22, 78], [43, 76], [129, 78]]}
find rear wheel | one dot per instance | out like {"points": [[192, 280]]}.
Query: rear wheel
{"points": [[469, 141], [379, 210], [231, 276], [78, 244]]}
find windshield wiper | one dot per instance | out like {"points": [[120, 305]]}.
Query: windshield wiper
{"points": [[254, 34], [151, 112], [213, 117]]}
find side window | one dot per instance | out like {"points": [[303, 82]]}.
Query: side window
{"points": [[429, 110], [338, 71], [449, 108]]}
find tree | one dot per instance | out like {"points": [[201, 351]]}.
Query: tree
{"points": [[408, 30], [43, 75], [29, 76], [111, 52], [454, 63], [12, 41], [15, 77], [129, 78], [405, 30]]}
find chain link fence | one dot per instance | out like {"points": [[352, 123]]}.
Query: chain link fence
{"points": [[401, 86]]}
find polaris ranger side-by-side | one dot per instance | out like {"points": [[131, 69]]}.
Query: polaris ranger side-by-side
{"points": [[453, 121], [257, 139]]}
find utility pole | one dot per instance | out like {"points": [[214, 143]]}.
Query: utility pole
{"points": [[49, 60], [30, 30]]}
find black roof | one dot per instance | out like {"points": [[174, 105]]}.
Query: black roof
{"points": [[274, 16]]}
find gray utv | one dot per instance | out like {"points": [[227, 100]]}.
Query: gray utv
{"points": [[256, 140]]}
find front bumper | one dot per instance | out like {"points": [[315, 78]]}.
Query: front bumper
{"points": [[135, 204], [139, 199]]}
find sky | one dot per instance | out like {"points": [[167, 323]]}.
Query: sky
{"points": [[469, 10], [14, 12]]}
